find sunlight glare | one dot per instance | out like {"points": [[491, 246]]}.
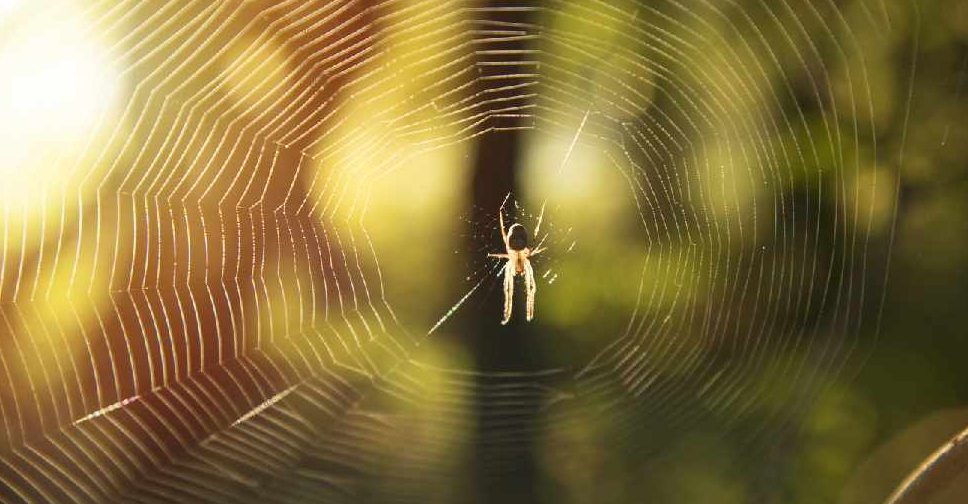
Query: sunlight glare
{"points": [[57, 85]]}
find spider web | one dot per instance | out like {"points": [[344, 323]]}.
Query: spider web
{"points": [[216, 295]]}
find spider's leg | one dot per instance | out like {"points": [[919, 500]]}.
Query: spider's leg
{"points": [[499, 256], [539, 247], [535, 251], [508, 291], [531, 285], [500, 220]]}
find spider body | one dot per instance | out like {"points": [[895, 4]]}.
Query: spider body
{"points": [[517, 247], [518, 255]]}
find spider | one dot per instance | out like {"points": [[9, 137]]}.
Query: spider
{"points": [[517, 254]]}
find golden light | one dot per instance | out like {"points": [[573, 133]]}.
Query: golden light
{"points": [[57, 85], [8, 6]]}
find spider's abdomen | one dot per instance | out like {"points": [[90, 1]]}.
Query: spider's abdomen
{"points": [[517, 237]]}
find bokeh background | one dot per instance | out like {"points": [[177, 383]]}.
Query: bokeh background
{"points": [[244, 249]]}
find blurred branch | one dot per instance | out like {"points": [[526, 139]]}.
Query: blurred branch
{"points": [[935, 473]]}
